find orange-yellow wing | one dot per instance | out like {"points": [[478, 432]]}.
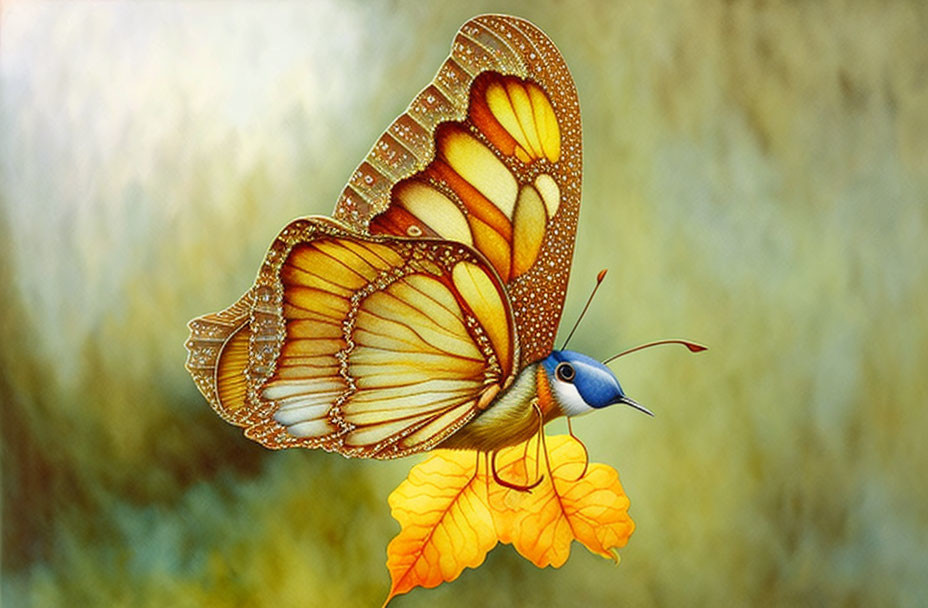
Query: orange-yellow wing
{"points": [[370, 346], [488, 155]]}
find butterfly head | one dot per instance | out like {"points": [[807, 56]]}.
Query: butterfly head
{"points": [[581, 384]]}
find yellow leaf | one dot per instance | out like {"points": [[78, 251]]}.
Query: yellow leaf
{"points": [[542, 523], [446, 524], [452, 512]]}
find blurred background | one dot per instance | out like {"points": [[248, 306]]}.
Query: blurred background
{"points": [[756, 178]]}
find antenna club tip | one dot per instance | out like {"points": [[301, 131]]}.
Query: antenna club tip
{"points": [[601, 275], [695, 348]]}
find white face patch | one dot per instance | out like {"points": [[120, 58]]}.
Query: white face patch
{"points": [[568, 397]]}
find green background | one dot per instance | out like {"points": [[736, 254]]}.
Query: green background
{"points": [[755, 179]]}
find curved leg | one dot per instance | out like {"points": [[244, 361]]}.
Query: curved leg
{"points": [[539, 477], [586, 453], [509, 484]]}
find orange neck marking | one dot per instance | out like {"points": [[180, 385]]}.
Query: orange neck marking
{"points": [[549, 407]]}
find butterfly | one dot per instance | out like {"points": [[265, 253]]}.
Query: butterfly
{"points": [[423, 314]]}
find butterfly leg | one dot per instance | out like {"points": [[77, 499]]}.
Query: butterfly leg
{"points": [[509, 484], [586, 453], [541, 438], [476, 468], [525, 458], [538, 476]]}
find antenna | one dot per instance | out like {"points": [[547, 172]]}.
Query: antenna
{"points": [[599, 280], [694, 348]]}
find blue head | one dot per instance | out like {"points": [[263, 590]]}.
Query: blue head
{"points": [[581, 384]]}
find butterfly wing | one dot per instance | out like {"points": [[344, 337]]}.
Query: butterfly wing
{"points": [[369, 346], [405, 337], [488, 155]]}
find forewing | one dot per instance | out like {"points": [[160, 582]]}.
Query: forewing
{"points": [[369, 346], [488, 155]]}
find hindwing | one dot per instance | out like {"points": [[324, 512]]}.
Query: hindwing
{"points": [[369, 346]]}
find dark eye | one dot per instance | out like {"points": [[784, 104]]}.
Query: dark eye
{"points": [[565, 372]]}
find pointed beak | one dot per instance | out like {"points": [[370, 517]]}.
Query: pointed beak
{"points": [[636, 405]]}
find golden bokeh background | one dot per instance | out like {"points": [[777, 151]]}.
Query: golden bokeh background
{"points": [[756, 178]]}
